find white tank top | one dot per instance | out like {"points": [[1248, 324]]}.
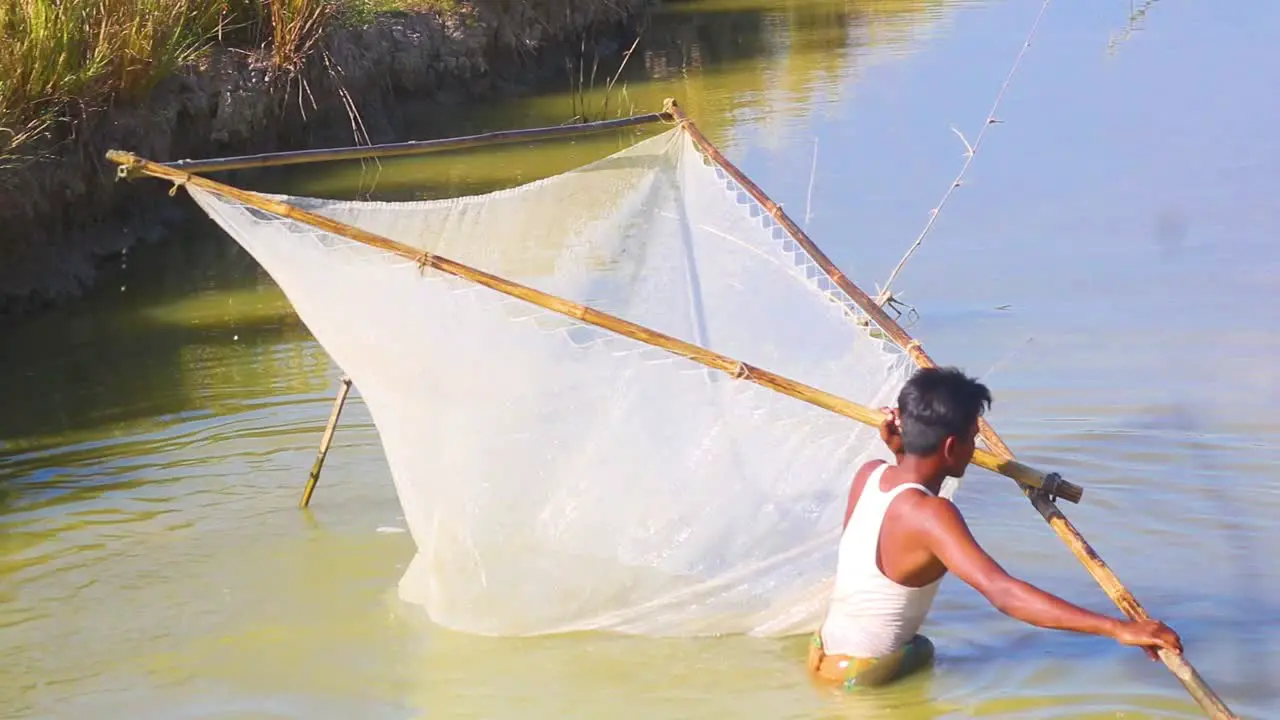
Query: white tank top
{"points": [[870, 615]]}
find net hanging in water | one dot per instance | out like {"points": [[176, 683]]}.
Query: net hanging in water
{"points": [[646, 549], [557, 477]]}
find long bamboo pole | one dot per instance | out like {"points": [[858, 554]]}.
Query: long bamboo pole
{"points": [[1042, 501], [314, 476], [131, 164], [413, 147]]}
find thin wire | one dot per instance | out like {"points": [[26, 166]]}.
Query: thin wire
{"points": [[813, 173], [987, 375], [971, 151], [1136, 16]]}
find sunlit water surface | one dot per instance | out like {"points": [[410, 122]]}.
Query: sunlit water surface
{"points": [[1111, 266]]}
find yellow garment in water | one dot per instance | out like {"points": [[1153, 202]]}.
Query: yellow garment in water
{"points": [[853, 672]]}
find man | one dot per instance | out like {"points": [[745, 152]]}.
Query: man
{"points": [[900, 539]]}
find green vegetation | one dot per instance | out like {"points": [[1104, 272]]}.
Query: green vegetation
{"points": [[60, 58]]}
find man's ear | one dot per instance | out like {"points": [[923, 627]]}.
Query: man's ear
{"points": [[949, 448]]}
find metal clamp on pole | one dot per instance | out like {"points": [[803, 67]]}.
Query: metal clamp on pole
{"points": [[1053, 485]]}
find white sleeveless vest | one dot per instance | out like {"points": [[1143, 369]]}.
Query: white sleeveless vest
{"points": [[870, 615]]}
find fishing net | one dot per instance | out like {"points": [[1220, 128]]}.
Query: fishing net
{"points": [[558, 477]]}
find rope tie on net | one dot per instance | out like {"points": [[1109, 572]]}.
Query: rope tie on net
{"points": [[677, 119], [915, 350], [774, 210], [177, 183]]}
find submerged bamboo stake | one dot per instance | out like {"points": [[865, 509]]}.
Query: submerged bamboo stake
{"points": [[1042, 501], [327, 438], [413, 147], [130, 163]]}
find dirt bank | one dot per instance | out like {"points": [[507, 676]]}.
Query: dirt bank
{"points": [[61, 214]]}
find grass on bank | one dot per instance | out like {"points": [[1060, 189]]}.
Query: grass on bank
{"points": [[61, 57]]}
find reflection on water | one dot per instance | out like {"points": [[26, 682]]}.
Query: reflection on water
{"points": [[156, 438]]}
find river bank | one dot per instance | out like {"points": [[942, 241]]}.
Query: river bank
{"points": [[63, 213]]}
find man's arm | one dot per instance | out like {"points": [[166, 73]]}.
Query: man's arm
{"points": [[947, 535]]}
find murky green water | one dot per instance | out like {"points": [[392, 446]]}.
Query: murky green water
{"points": [[1111, 264]]}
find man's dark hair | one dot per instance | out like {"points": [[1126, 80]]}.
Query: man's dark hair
{"points": [[937, 402]]}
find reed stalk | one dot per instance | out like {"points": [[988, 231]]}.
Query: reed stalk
{"points": [[62, 58]]}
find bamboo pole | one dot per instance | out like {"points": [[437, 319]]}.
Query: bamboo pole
{"points": [[1042, 501], [130, 164], [413, 147], [314, 476]]}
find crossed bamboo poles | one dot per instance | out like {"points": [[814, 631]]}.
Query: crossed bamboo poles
{"points": [[1040, 488]]}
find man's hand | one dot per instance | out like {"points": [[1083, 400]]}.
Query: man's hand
{"points": [[1149, 635], [891, 431]]}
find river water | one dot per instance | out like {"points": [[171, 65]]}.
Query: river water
{"points": [[1111, 265]]}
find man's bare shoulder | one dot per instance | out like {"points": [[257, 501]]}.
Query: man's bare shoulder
{"points": [[865, 471], [859, 481], [932, 513]]}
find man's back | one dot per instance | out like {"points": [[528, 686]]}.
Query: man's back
{"points": [[874, 610]]}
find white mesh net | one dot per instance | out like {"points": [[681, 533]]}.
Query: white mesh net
{"points": [[558, 477]]}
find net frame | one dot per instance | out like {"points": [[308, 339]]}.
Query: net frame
{"points": [[834, 283], [1041, 489]]}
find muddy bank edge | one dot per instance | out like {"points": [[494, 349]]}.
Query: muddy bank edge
{"points": [[62, 214]]}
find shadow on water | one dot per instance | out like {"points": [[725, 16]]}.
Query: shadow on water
{"points": [[191, 323]]}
